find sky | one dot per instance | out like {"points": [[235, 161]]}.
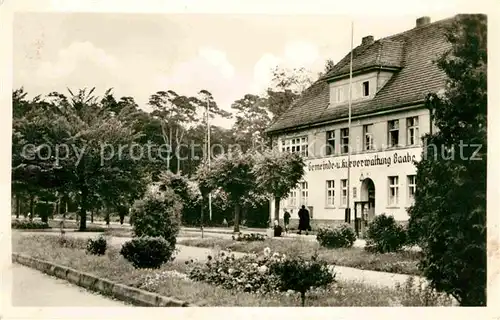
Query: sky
{"points": [[137, 55]]}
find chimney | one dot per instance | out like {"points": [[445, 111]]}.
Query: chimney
{"points": [[422, 21], [367, 40]]}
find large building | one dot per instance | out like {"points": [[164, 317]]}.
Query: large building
{"points": [[390, 80]]}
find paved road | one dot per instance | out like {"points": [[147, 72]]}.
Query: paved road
{"points": [[31, 288]]}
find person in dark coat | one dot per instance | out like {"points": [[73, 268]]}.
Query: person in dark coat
{"points": [[304, 220], [286, 219]]}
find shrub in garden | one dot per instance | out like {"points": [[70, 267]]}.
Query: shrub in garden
{"points": [[188, 193], [384, 235], [301, 276], [97, 246], [26, 224], [148, 252], [44, 210], [249, 237], [158, 215], [70, 242], [257, 215], [341, 236], [418, 293]]}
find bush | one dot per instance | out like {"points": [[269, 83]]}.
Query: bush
{"points": [[249, 237], [384, 235], [188, 193], [258, 216], [148, 252], [158, 215], [70, 242], [44, 210], [26, 224], [301, 276], [341, 236], [97, 246], [418, 293]]}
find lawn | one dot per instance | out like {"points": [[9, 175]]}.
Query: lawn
{"points": [[113, 267], [402, 262]]}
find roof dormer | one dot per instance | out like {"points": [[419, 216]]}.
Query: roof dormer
{"points": [[373, 64]]}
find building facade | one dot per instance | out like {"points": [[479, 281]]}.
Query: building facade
{"points": [[390, 80]]}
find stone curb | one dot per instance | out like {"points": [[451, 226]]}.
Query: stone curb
{"points": [[135, 296]]}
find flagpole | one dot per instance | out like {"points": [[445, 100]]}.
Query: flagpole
{"points": [[349, 131], [209, 156]]}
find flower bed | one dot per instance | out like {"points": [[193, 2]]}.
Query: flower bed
{"points": [[400, 262], [265, 273], [249, 237], [246, 274], [169, 281]]}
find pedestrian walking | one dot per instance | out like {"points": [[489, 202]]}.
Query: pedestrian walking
{"points": [[304, 220], [286, 219]]}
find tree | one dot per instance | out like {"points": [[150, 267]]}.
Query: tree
{"points": [[231, 172], [36, 128], [277, 173], [252, 119], [329, 64], [94, 158], [175, 112], [448, 218], [286, 87]]}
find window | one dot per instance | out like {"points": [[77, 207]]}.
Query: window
{"points": [[330, 142], [412, 128], [339, 94], [304, 193], [344, 133], [292, 198], [344, 192], [412, 186], [393, 133], [393, 191], [366, 89], [368, 134], [295, 145], [330, 193]]}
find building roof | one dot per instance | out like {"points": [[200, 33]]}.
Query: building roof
{"points": [[382, 53], [411, 54]]}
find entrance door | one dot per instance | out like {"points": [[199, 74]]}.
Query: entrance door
{"points": [[368, 197]]}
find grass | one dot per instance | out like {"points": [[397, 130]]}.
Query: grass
{"points": [[401, 262], [115, 268]]}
